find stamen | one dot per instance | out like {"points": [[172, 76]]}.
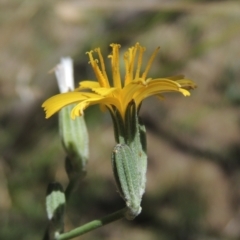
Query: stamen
{"points": [[115, 65], [132, 56], [127, 60], [98, 50], [90, 57], [144, 75], [94, 62], [127, 75], [139, 63]]}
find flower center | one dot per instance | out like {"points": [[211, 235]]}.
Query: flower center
{"points": [[131, 58]]}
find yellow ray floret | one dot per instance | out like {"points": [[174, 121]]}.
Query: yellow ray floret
{"points": [[134, 86]]}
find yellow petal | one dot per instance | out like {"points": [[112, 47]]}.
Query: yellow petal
{"points": [[103, 91], [78, 109], [55, 103], [187, 84], [156, 87], [185, 92], [88, 84]]}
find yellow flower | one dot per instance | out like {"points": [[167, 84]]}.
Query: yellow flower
{"points": [[135, 85]]}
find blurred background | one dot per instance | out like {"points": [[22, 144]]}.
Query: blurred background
{"points": [[193, 186]]}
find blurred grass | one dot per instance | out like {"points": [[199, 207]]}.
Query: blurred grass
{"points": [[193, 177]]}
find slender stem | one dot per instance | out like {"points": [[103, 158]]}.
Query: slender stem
{"points": [[72, 185], [92, 225]]}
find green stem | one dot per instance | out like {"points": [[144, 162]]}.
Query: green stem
{"points": [[72, 185], [92, 225]]}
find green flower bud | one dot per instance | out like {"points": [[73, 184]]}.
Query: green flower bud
{"points": [[73, 133], [128, 179], [74, 137], [55, 206]]}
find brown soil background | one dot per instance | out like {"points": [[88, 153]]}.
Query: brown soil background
{"points": [[193, 187]]}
